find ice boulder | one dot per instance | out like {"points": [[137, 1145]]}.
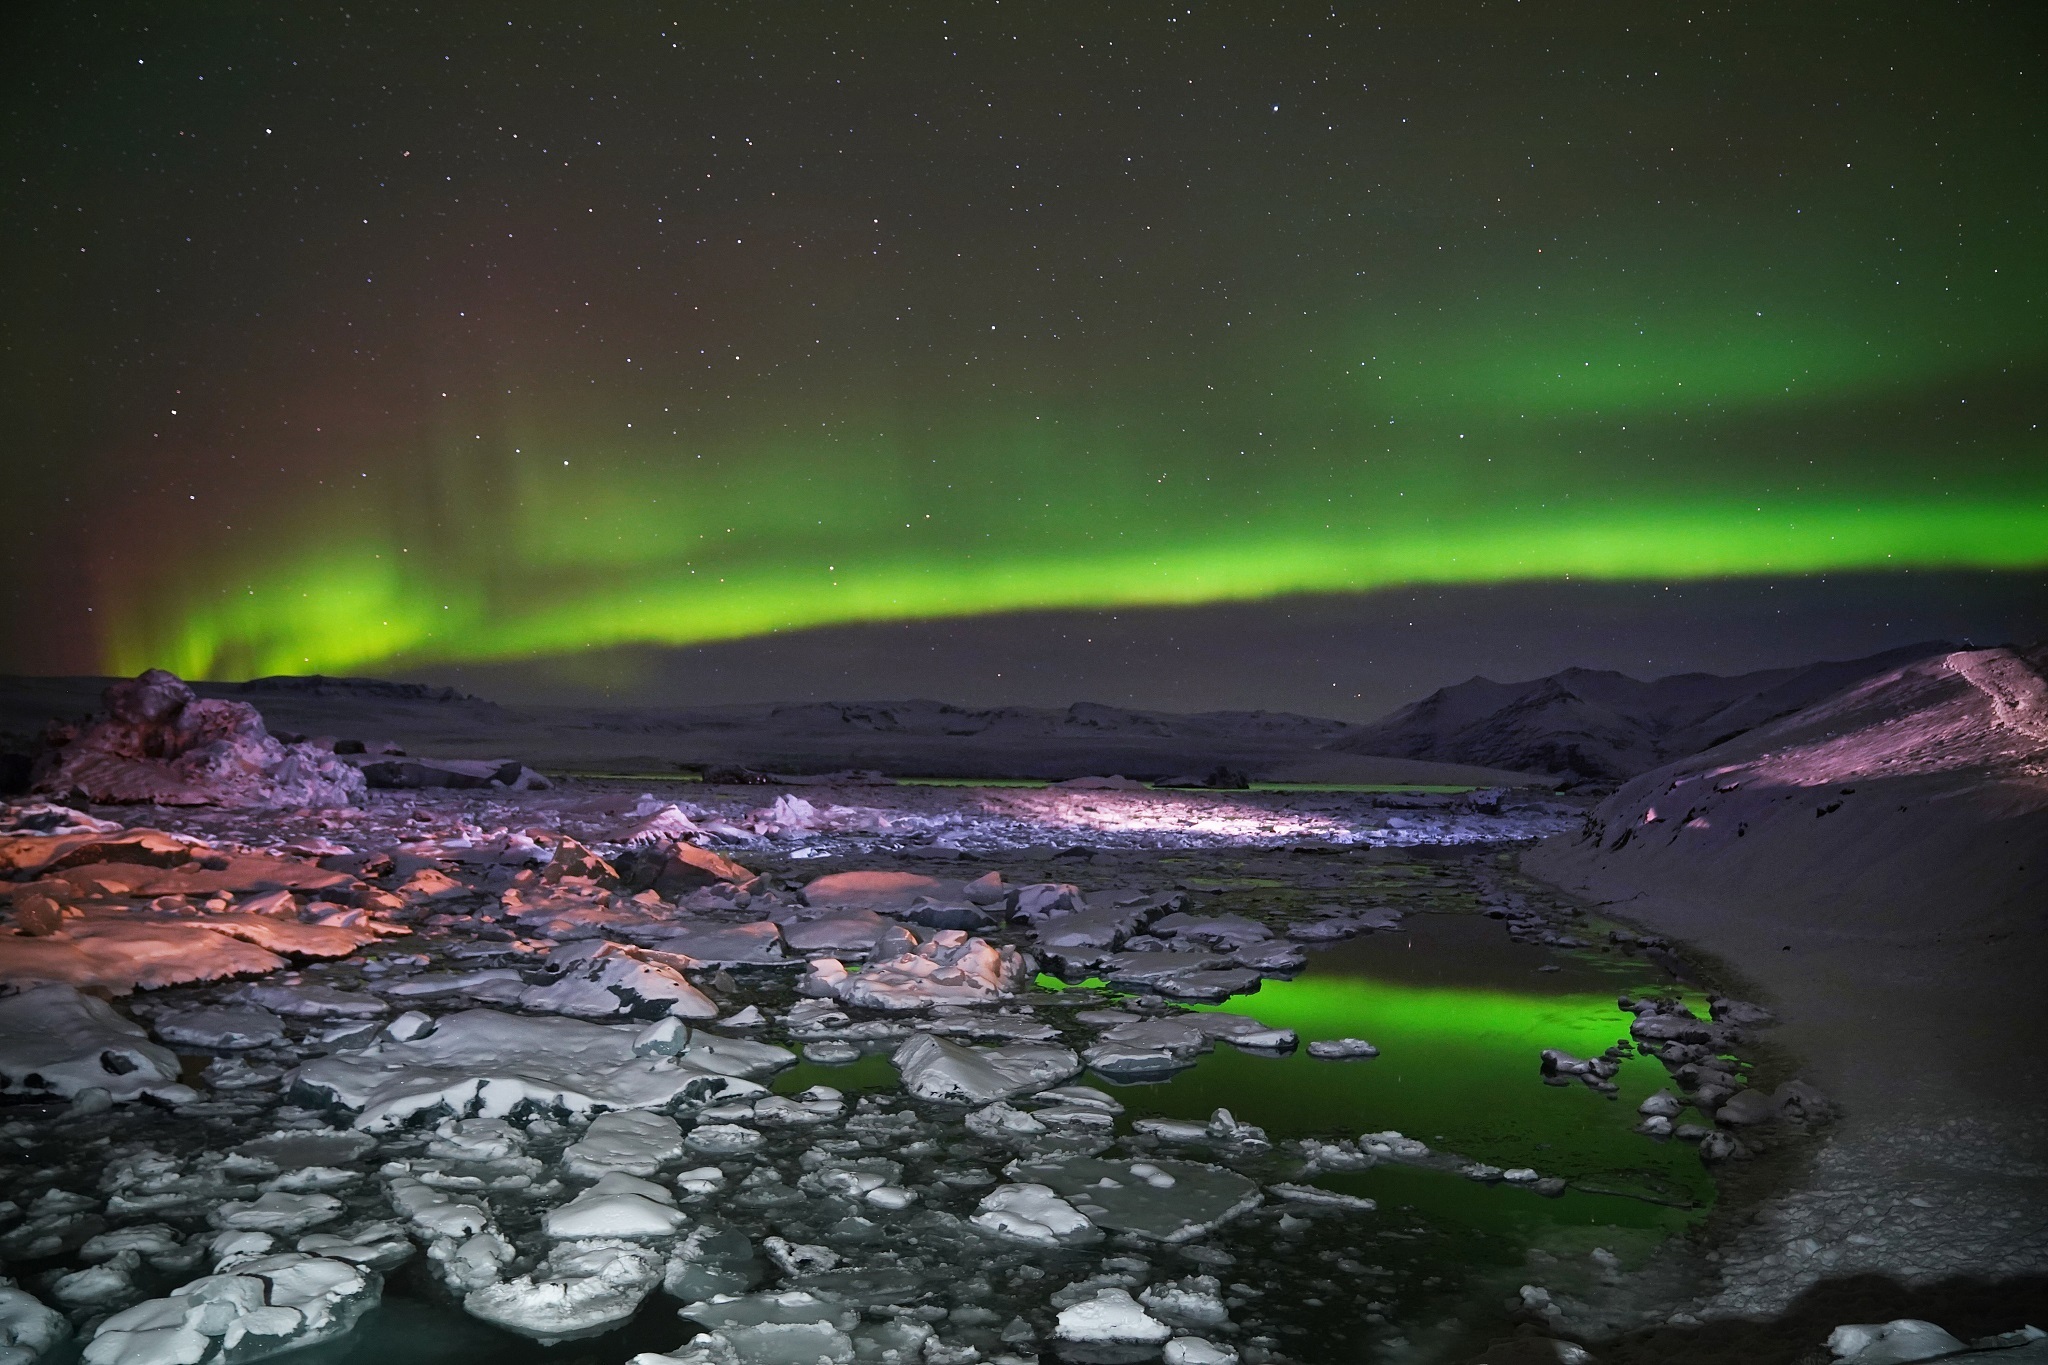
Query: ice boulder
{"points": [[265, 1307], [633, 1141], [934, 1069], [1111, 1317], [489, 1064], [595, 979], [1891, 1343], [55, 1041], [582, 1289], [1161, 1200], [950, 969], [29, 1328], [1034, 1214], [227, 1027], [618, 1205]]}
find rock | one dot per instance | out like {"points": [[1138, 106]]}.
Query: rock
{"points": [[54, 1041], [719, 945], [934, 1069], [158, 742], [1889, 1343], [1112, 1316], [461, 774]]}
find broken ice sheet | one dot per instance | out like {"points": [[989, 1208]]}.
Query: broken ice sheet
{"points": [[491, 1064], [1161, 1199]]}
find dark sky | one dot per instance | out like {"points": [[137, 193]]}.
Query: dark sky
{"points": [[626, 344]]}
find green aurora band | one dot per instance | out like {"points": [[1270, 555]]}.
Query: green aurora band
{"points": [[1668, 436]]}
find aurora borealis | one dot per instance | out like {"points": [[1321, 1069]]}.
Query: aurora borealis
{"points": [[359, 340]]}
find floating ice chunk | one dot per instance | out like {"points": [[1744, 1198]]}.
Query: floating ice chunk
{"points": [[934, 1069], [1081, 1096], [1035, 1214], [600, 980], [1197, 1351], [1196, 1301], [618, 1205], [378, 1246], [750, 1017], [221, 1026], [99, 1286], [292, 1149], [633, 1140], [1127, 1196], [277, 1212], [55, 1041], [816, 1104], [582, 1289], [1341, 1049], [724, 1139], [29, 1328], [310, 1002], [475, 1140], [435, 1212], [1391, 1144], [711, 1261], [121, 953], [719, 945], [851, 931], [999, 1121], [1313, 1194], [1111, 1316], [799, 1258], [724, 1311], [490, 1064], [1891, 1343], [157, 1243], [874, 890], [952, 968], [265, 1307], [831, 1052], [700, 1180], [490, 986]]}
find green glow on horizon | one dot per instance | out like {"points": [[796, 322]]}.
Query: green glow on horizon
{"points": [[1586, 432], [362, 605]]}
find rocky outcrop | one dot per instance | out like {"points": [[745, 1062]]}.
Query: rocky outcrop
{"points": [[1601, 725], [157, 742]]}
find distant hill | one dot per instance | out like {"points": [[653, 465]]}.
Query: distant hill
{"points": [[1602, 725]]}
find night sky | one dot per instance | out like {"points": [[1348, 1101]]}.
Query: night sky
{"points": [[464, 339]]}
